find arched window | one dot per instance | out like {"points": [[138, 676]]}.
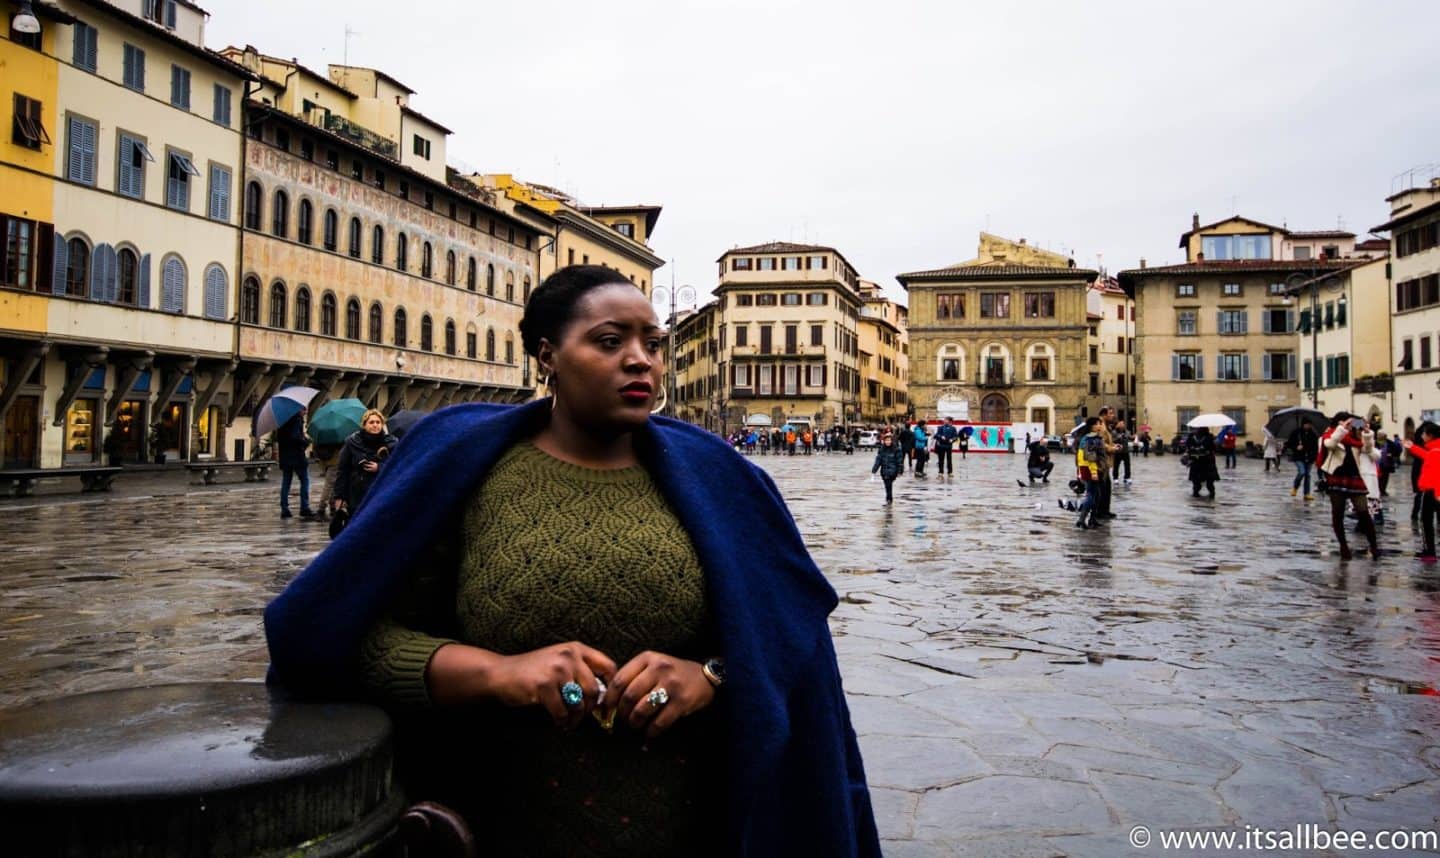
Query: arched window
{"points": [[490, 344], [303, 221], [250, 301], [510, 349], [172, 285], [490, 280], [277, 304], [77, 267], [427, 260], [377, 323], [510, 286], [252, 206], [401, 246], [352, 319], [401, 335], [330, 237], [129, 277], [377, 245], [449, 336], [450, 267], [355, 237], [427, 333], [280, 215], [302, 309], [327, 314], [527, 288], [216, 285], [470, 274]]}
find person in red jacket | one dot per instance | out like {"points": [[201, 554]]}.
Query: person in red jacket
{"points": [[1426, 448]]}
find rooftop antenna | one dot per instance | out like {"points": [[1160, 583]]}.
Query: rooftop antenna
{"points": [[345, 57], [1234, 205]]}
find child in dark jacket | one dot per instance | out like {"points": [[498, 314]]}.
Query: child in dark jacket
{"points": [[890, 462]]}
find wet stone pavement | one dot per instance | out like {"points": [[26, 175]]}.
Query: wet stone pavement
{"points": [[1020, 687]]}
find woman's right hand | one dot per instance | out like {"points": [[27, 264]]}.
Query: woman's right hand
{"points": [[534, 678], [369, 467]]}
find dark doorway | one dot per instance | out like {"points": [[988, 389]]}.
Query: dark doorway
{"points": [[21, 428]]}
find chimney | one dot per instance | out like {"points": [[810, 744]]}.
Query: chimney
{"points": [[1142, 262], [1022, 242], [1195, 221]]}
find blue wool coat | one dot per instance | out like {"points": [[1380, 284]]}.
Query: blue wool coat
{"points": [[795, 783]]}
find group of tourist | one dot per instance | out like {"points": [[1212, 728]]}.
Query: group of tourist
{"points": [[793, 441], [347, 469]]}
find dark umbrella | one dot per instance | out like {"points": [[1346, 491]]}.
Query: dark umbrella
{"points": [[967, 431], [1287, 420], [403, 421]]}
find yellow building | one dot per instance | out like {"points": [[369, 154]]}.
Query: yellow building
{"points": [[1343, 338], [1217, 333], [366, 273], [1111, 381], [1414, 291], [616, 237], [125, 175], [1000, 338], [788, 318], [884, 357], [697, 396]]}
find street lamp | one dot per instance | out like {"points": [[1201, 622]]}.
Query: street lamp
{"points": [[1293, 284], [25, 20], [684, 294]]}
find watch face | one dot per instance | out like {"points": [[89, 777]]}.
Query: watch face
{"points": [[717, 667]]}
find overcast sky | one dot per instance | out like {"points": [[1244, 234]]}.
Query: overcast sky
{"points": [[896, 131]]}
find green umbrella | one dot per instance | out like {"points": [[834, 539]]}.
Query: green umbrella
{"points": [[333, 422]]}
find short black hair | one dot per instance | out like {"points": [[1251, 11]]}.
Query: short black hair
{"points": [[552, 305], [1427, 428]]}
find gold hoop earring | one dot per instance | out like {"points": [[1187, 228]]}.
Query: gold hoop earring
{"points": [[664, 399]]}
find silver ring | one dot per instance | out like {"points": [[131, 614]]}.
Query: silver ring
{"points": [[657, 698]]}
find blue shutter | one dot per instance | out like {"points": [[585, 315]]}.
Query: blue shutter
{"points": [[1265, 367], [1244, 321], [1174, 367], [1289, 321], [1245, 367], [62, 265], [145, 281], [75, 159], [129, 183], [103, 282], [172, 286], [170, 14], [215, 292], [1200, 367]]}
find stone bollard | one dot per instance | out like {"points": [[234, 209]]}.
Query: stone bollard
{"points": [[214, 769]]}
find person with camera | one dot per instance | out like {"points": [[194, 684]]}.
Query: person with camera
{"points": [[361, 458], [1349, 445]]}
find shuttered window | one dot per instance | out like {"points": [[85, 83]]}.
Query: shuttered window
{"points": [[85, 47], [216, 285], [172, 285], [80, 154], [103, 274], [222, 105], [180, 87], [133, 72], [178, 172], [219, 193], [132, 157]]}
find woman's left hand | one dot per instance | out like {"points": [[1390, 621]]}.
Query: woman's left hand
{"points": [[684, 682]]}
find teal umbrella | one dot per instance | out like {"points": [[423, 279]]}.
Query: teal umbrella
{"points": [[334, 421]]}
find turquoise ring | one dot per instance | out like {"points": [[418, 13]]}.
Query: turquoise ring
{"points": [[572, 694]]}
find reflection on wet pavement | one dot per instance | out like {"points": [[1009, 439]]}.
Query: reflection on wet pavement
{"points": [[1020, 686]]}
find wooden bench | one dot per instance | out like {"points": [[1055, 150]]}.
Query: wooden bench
{"points": [[22, 481], [255, 471]]}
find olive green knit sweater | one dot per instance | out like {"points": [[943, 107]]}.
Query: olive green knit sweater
{"points": [[551, 552]]}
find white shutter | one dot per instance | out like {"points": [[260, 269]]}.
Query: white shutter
{"points": [[1200, 367], [1265, 367], [1174, 367], [62, 265], [1265, 322], [1244, 321]]}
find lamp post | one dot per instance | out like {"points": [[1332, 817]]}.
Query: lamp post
{"points": [[1293, 284], [684, 294]]}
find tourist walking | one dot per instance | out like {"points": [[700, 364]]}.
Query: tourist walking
{"points": [[1274, 447], [1425, 450], [1228, 441], [1200, 448], [1347, 445], [945, 438], [1391, 452], [292, 441], [889, 463], [922, 448], [327, 456], [1088, 470], [1121, 439], [963, 442], [905, 438], [1304, 447], [487, 595], [361, 459]]}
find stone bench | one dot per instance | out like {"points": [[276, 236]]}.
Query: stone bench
{"points": [[22, 481], [255, 472]]}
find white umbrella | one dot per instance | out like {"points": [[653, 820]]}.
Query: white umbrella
{"points": [[1211, 421], [278, 409]]}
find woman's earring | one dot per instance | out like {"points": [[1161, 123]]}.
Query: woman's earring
{"points": [[664, 399], [550, 390]]}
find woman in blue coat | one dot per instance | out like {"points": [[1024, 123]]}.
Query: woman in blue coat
{"points": [[600, 630]]}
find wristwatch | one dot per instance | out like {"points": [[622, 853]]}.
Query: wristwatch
{"points": [[714, 670]]}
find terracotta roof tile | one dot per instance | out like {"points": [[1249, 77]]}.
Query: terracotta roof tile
{"points": [[992, 272]]}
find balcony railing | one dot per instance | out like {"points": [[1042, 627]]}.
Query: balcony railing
{"points": [[360, 135], [995, 379]]}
